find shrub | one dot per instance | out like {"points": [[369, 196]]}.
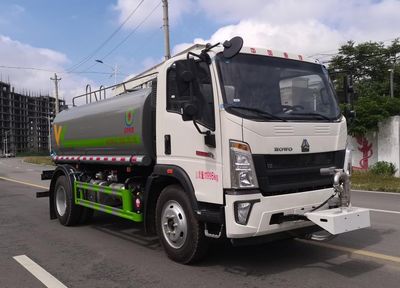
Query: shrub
{"points": [[383, 168]]}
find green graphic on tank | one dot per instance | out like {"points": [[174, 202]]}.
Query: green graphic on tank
{"points": [[101, 142]]}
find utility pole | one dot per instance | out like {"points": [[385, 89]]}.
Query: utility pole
{"points": [[49, 136], [166, 29], [55, 79]]}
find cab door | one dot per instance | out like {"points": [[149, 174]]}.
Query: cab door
{"points": [[188, 91]]}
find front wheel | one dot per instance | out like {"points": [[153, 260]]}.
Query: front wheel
{"points": [[180, 233]]}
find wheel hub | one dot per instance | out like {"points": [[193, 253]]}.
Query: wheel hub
{"points": [[61, 201], [174, 224]]}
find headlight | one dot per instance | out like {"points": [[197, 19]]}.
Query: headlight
{"points": [[243, 174]]}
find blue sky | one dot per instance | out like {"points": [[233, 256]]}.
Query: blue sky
{"points": [[76, 28], [55, 35]]}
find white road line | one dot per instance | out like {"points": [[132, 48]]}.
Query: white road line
{"points": [[376, 192], [384, 211], [22, 182], [42, 275], [353, 251]]}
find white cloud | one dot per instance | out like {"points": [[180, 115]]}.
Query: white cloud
{"points": [[125, 7], [182, 46], [149, 62], [16, 54], [306, 26], [17, 9]]}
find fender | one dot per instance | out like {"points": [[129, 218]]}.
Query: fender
{"points": [[164, 175], [67, 170]]}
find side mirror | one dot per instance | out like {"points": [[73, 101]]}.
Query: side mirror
{"points": [[232, 47], [189, 111]]}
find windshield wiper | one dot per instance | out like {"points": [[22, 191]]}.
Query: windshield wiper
{"points": [[313, 114], [266, 114]]}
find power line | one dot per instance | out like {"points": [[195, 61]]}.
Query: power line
{"points": [[327, 52], [132, 32], [52, 71], [90, 56], [364, 56], [127, 37], [26, 68]]}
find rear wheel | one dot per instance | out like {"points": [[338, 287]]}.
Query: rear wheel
{"points": [[180, 233], [68, 213]]}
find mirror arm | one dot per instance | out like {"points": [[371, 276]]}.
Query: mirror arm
{"points": [[209, 47], [208, 132], [193, 54], [209, 138], [203, 56]]}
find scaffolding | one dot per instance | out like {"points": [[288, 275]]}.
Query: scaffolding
{"points": [[25, 121]]}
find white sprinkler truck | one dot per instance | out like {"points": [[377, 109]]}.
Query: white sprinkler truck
{"points": [[219, 141]]}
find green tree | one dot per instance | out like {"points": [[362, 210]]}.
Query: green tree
{"points": [[369, 63]]}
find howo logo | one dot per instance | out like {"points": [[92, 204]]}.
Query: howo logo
{"points": [[305, 146], [283, 149]]}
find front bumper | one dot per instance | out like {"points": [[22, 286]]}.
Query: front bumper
{"points": [[260, 221]]}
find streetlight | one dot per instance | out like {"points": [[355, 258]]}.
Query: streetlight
{"points": [[115, 68], [5, 143], [391, 81]]}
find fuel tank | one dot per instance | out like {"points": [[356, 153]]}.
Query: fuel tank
{"points": [[122, 125]]}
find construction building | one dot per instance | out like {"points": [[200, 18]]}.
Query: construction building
{"points": [[25, 121]]}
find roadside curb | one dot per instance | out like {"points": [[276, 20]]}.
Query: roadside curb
{"points": [[377, 192], [42, 165]]}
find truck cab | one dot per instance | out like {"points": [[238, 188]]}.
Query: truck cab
{"points": [[245, 143]]}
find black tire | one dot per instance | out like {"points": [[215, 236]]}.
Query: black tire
{"points": [[191, 244], [67, 212], [86, 216]]}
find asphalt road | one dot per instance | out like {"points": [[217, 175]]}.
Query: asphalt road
{"points": [[112, 252]]}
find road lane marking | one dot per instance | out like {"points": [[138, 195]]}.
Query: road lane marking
{"points": [[353, 251], [42, 275], [376, 192], [384, 211], [22, 182]]}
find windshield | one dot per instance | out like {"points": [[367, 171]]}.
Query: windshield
{"points": [[283, 88]]}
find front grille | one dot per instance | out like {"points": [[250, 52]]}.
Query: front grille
{"points": [[282, 174]]}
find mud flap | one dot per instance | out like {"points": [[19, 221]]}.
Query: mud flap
{"points": [[340, 220]]}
